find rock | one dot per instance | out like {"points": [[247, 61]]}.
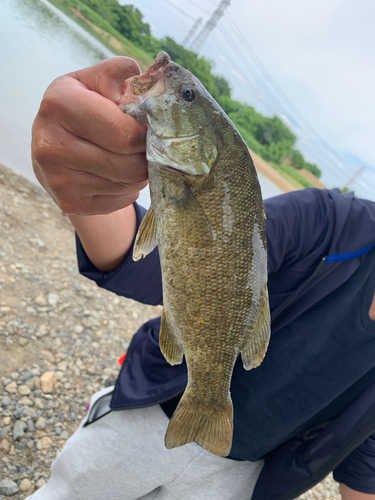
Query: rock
{"points": [[30, 426], [91, 369], [11, 387], [78, 329], [40, 243], [40, 423], [39, 403], [20, 412], [22, 341], [41, 482], [7, 420], [24, 390], [25, 402], [5, 445], [36, 382], [8, 488], [29, 412], [48, 381], [40, 301], [42, 331], [62, 366], [25, 484], [19, 429], [44, 443], [53, 299], [64, 435]]}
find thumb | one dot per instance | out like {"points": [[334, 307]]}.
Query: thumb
{"points": [[107, 77]]}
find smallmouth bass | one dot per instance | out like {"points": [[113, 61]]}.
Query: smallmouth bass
{"points": [[207, 219]]}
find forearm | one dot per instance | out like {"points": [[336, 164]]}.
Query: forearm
{"points": [[349, 494], [107, 238]]}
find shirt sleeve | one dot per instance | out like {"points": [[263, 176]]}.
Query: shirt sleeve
{"points": [[140, 281], [358, 469]]}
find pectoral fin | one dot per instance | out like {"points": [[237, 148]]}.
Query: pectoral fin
{"points": [[168, 342], [254, 351], [145, 240], [195, 218]]}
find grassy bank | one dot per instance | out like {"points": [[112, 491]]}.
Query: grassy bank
{"points": [[292, 175], [103, 31]]}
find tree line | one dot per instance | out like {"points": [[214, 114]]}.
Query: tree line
{"points": [[269, 137]]}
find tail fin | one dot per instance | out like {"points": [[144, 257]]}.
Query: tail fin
{"points": [[210, 427]]}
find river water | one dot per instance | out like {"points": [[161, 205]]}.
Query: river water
{"points": [[38, 43]]}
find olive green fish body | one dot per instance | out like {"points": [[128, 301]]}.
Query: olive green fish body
{"points": [[209, 228]]}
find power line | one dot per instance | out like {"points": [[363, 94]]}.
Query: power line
{"points": [[200, 7], [210, 25], [223, 48], [246, 66], [180, 10], [279, 91]]}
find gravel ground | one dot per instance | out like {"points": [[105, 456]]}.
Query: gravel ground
{"points": [[60, 338]]}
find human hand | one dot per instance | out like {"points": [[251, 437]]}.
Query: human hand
{"points": [[87, 154]]}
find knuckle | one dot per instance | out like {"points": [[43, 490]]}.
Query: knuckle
{"points": [[129, 135], [68, 206], [121, 136], [44, 150], [108, 162], [59, 184], [50, 105]]}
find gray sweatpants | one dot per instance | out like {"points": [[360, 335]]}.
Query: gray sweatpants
{"points": [[122, 456]]}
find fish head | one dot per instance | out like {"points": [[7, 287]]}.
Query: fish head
{"points": [[180, 113]]}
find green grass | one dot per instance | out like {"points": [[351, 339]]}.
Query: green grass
{"points": [[252, 143], [292, 175]]}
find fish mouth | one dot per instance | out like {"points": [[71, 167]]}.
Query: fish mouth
{"points": [[139, 85], [162, 60]]}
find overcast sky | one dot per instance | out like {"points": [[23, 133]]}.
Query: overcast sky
{"points": [[320, 52]]}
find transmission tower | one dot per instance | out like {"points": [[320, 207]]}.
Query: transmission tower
{"points": [[192, 31], [202, 36], [351, 181]]}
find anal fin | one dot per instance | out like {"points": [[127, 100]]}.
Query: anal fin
{"points": [[145, 240], [254, 351], [168, 342]]}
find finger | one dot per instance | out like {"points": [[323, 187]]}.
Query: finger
{"points": [[86, 156], [102, 205], [98, 205], [107, 77], [91, 116], [85, 194]]}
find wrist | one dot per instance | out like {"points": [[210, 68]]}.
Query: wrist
{"points": [[107, 238]]}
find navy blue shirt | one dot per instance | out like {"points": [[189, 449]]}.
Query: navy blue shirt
{"points": [[308, 373]]}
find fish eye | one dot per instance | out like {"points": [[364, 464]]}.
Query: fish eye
{"points": [[187, 93]]}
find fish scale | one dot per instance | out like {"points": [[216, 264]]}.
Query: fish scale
{"points": [[207, 219]]}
